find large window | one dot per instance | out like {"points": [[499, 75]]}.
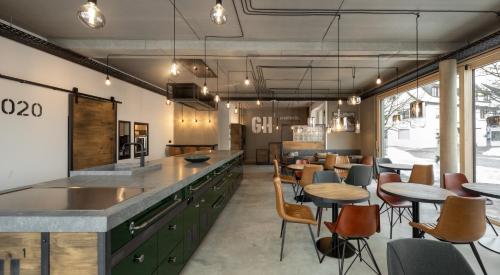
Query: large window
{"points": [[405, 139], [487, 123]]}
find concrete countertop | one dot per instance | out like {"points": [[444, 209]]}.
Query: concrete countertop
{"points": [[156, 185]]}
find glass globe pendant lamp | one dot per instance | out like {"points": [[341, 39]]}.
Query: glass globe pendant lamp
{"points": [[91, 16], [218, 13]]}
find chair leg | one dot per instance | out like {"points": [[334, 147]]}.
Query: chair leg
{"points": [[283, 240], [372, 257], [342, 259], [320, 216], [282, 225], [435, 206], [390, 221], [492, 226], [314, 242], [359, 249], [399, 212], [476, 254]]}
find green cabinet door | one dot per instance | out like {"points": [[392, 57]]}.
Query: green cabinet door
{"points": [[173, 264], [191, 228], [143, 260], [169, 236]]}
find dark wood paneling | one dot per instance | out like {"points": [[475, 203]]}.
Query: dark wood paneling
{"points": [[93, 133]]}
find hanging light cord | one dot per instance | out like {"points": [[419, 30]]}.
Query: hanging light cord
{"points": [[174, 30], [107, 65], [217, 77], [246, 66], [353, 77], [206, 65], [416, 46], [338, 58], [311, 99], [378, 66]]}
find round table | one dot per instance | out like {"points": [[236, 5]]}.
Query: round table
{"points": [[296, 167], [355, 158], [345, 166], [488, 190], [335, 194], [416, 193], [397, 166]]}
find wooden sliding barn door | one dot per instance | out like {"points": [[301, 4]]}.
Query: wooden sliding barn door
{"points": [[92, 132]]}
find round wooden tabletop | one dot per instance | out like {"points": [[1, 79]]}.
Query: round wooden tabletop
{"points": [[336, 193], [296, 166], [396, 166], [417, 192], [486, 189], [345, 166]]}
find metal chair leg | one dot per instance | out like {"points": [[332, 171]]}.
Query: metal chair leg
{"points": [[343, 258], [492, 226], [372, 257], [314, 242], [320, 216], [390, 221], [282, 225], [478, 258], [283, 240], [359, 249]]}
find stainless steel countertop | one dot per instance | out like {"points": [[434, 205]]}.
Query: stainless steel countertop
{"points": [[44, 208]]}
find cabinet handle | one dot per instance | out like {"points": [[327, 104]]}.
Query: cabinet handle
{"points": [[197, 205], [202, 200], [194, 189], [139, 259], [132, 227], [172, 227], [172, 259]]}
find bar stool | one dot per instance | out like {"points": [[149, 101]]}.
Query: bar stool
{"points": [[358, 223]]}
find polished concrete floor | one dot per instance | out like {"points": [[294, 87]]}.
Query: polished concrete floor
{"points": [[245, 239]]}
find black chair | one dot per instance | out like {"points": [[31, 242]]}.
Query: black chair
{"points": [[377, 169], [419, 256], [322, 177]]}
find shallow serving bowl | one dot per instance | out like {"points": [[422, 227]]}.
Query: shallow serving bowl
{"points": [[196, 158]]}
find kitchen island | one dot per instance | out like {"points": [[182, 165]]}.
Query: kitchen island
{"points": [[146, 223]]}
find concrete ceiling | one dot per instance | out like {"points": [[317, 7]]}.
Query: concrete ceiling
{"points": [[138, 37]]}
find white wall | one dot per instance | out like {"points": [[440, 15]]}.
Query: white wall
{"points": [[36, 150]]}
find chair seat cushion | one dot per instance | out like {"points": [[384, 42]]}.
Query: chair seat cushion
{"points": [[299, 213], [394, 201]]}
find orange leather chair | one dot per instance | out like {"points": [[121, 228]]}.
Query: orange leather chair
{"points": [[367, 160], [462, 221], [285, 179], [422, 174], [330, 161], [392, 202], [454, 181], [341, 172], [292, 213], [358, 223], [307, 177]]}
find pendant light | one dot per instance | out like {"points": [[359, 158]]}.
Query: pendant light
{"points": [[247, 81], [311, 121], [209, 116], [417, 107], [353, 99], [277, 115], [338, 62], [107, 81], [195, 119], [169, 102], [379, 80], [217, 98], [174, 69], [228, 103], [235, 108], [91, 16], [205, 88], [218, 13], [182, 113], [258, 102]]}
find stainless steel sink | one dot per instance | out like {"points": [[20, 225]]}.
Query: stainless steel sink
{"points": [[117, 169]]}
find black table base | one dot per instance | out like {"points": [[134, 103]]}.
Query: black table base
{"points": [[326, 246], [302, 198]]}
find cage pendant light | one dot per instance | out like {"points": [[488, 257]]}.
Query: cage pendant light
{"points": [[353, 99], [417, 107]]}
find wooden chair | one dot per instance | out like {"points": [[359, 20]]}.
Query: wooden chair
{"points": [[292, 213], [307, 177], [392, 202], [454, 181], [462, 221], [342, 159], [358, 223], [330, 161], [422, 174]]}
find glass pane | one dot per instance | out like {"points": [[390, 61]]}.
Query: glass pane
{"points": [[487, 122], [412, 140]]}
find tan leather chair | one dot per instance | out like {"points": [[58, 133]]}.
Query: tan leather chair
{"points": [[462, 221], [422, 174], [306, 179], [341, 172], [285, 179], [330, 161], [292, 213]]}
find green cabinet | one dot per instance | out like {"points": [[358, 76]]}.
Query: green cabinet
{"points": [[191, 228], [174, 263], [169, 236], [143, 260]]}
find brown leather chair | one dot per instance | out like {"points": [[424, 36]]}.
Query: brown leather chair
{"points": [[392, 202], [298, 174], [462, 221], [358, 223], [330, 161], [367, 160], [285, 179], [341, 172], [307, 178], [422, 174], [454, 181], [292, 213]]}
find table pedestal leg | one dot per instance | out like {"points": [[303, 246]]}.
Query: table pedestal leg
{"points": [[415, 217], [333, 246]]}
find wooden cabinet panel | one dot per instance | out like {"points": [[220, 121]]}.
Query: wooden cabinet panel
{"points": [[73, 253], [21, 252]]}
